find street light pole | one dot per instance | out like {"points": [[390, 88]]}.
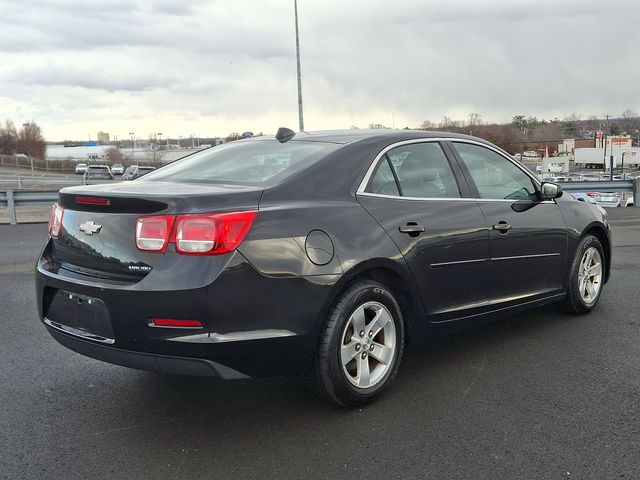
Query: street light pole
{"points": [[300, 116], [26, 132]]}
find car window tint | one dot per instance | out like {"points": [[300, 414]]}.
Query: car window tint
{"points": [[251, 162], [382, 181], [423, 171], [494, 175]]}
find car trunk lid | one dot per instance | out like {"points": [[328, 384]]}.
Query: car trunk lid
{"points": [[97, 237]]}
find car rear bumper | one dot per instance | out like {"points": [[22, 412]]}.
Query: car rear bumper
{"points": [[243, 334], [167, 364]]}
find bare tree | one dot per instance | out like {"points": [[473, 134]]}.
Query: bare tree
{"points": [[475, 119], [155, 155], [8, 138], [446, 122], [30, 141], [449, 124], [427, 125], [115, 156], [593, 123], [629, 121]]}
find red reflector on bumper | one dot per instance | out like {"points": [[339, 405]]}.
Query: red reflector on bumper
{"points": [[175, 323]]}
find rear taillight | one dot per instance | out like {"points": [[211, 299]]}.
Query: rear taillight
{"points": [[55, 222], [153, 232], [592, 194], [195, 234], [212, 234]]}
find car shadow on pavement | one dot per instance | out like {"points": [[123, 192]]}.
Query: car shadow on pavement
{"points": [[423, 358], [205, 423]]}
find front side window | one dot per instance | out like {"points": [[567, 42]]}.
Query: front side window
{"points": [[418, 170], [495, 176]]}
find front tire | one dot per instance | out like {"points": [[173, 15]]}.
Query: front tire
{"points": [[361, 345], [586, 277]]}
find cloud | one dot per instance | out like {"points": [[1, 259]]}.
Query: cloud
{"points": [[176, 66]]}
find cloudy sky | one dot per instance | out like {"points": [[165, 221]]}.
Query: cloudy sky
{"points": [[208, 68]]}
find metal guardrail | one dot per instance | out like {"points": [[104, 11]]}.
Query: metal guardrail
{"points": [[604, 186], [11, 198], [21, 182]]}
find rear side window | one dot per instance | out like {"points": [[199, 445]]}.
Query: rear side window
{"points": [[252, 162], [419, 170]]}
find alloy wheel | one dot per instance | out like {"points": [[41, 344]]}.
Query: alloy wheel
{"points": [[590, 275], [368, 345]]}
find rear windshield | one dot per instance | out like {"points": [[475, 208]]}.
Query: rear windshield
{"points": [[98, 168], [253, 162]]}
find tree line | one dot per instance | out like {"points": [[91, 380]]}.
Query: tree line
{"points": [[523, 132], [28, 140]]}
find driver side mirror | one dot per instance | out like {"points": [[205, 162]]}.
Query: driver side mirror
{"points": [[549, 191]]}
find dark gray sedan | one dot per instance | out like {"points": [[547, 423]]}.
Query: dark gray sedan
{"points": [[318, 254]]}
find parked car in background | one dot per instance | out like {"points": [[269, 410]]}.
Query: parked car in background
{"points": [[583, 197], [98, 172], [135, 171], [117, 169], [589, 178], [605, 199], [312, 253], [555, 168], [629, 202], [81, 168]]}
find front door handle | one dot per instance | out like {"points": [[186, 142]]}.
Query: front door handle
{"points": [[502, 227], [412, 228]]}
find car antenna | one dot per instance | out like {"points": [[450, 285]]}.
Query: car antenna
{"points": [[285, 134]]}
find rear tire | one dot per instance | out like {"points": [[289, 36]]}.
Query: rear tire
{"points": [[586, 277], [360, 346]]}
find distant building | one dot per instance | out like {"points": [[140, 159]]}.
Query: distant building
{"points": [[103, 138], [78, 153], [614, 141], [569, 145]]}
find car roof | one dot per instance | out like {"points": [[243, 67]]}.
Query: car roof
{"points": [[356, 134]]}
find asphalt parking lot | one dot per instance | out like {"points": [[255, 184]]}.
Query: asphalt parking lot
{"points": [[539, 395]]}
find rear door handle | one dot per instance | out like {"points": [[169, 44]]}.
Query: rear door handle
{"points": [[502, 227], [412, 228]]}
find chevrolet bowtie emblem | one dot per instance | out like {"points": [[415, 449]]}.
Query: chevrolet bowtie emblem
{"points": [[89, 228]]}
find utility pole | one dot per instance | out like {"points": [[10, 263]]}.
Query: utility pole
{"points": [[604, 159], [300, 117], [608, 117]]}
